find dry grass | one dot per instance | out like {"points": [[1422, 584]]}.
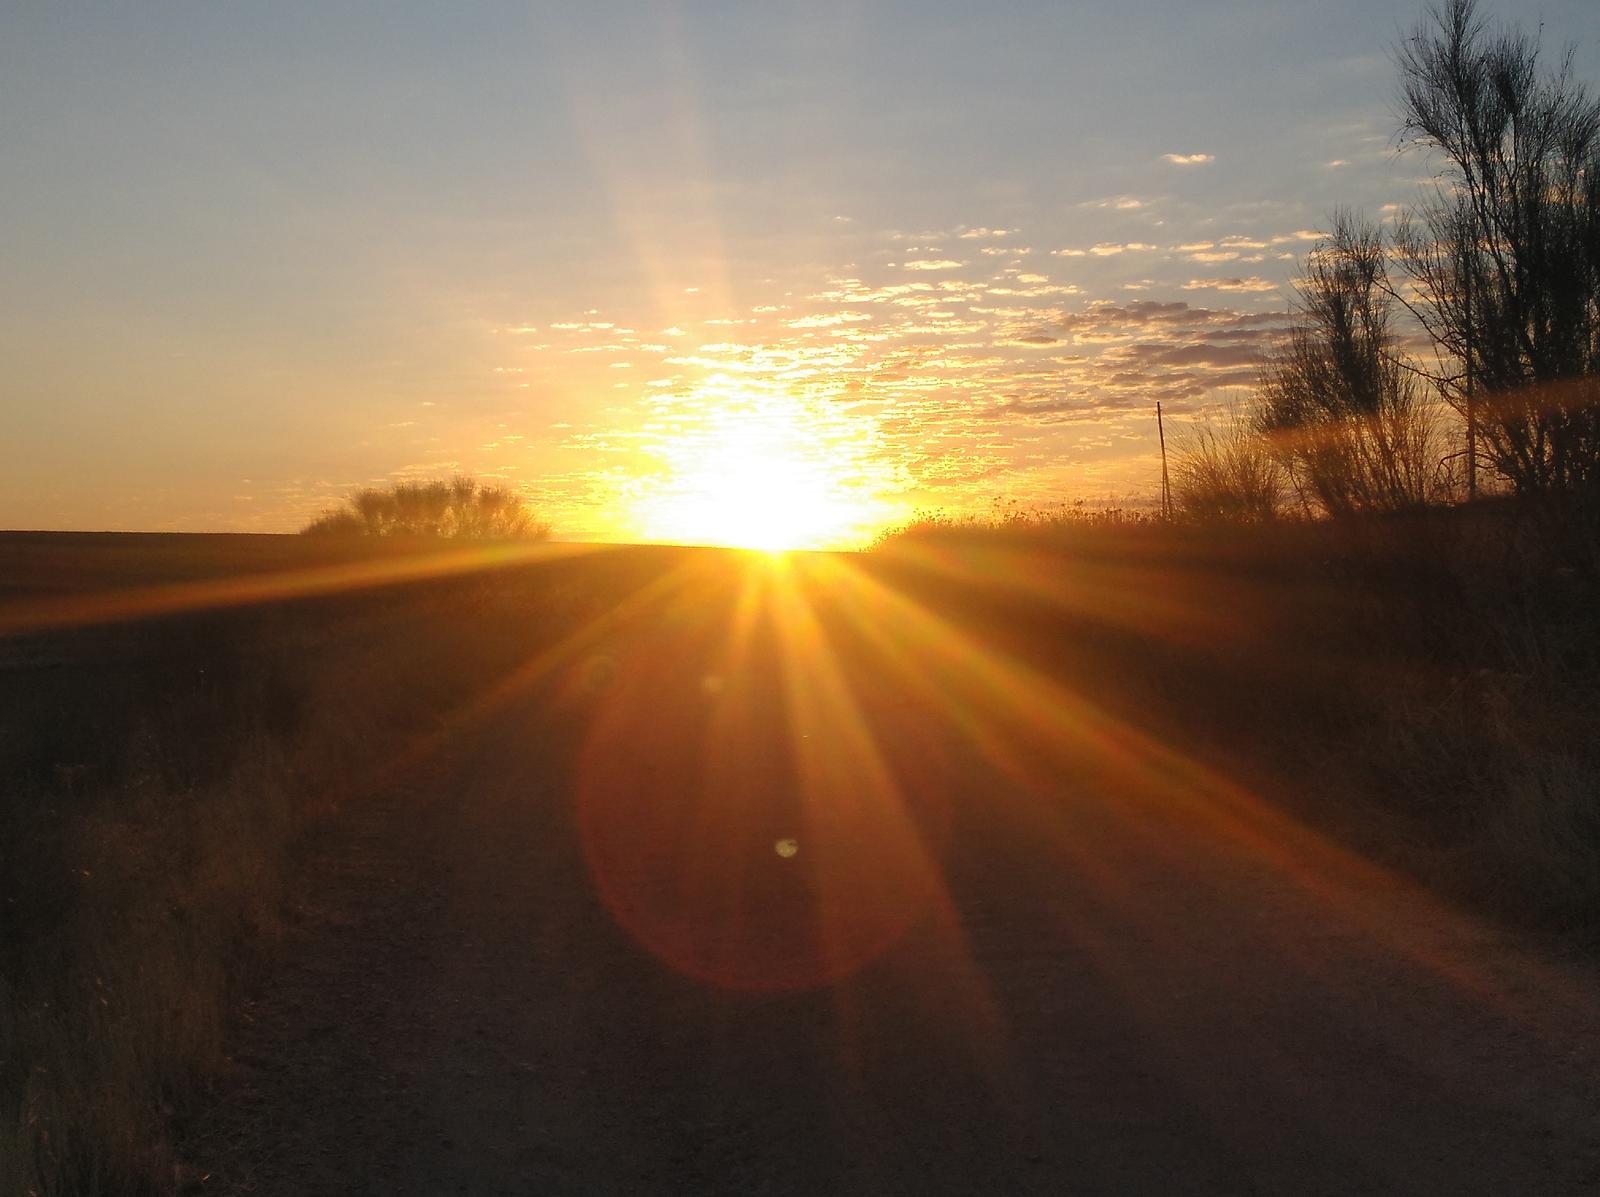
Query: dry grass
{"points": [[115, 1019], [1424, 684], [139, 889], [1227, 473]]}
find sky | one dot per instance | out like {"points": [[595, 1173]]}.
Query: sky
{"points": [[672, 270]]}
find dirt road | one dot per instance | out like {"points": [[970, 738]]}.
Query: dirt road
{"points": [[669, 944]]}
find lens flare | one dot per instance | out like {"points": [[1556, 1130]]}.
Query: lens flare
{"points": [[685, 795]]}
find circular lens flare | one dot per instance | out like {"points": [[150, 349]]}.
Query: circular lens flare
{"points": [[693, 812]]}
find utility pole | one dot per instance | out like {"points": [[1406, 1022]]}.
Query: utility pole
{"points": [[1166, 487], [1472, 410]]}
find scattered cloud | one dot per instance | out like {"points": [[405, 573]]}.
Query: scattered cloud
{"points": [[829, 319], [952, 378], [1230, 284], [1188, 159]]}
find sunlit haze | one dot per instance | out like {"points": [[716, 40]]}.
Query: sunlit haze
{"points": [[841, 597], [770, 276]]}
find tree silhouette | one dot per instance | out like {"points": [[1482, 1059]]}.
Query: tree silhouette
{"points": [[1505, 256], [458, 509], [1341, 406]]}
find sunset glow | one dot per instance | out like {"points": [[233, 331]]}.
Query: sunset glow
{"points": [[876, 597], [769, 278], [752, 497], [765, 473]]}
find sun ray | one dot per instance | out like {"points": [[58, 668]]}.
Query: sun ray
{"points": [[1068, 759], [55, 613], [559, 662]]}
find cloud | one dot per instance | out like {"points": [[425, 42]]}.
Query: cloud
{"points": [[1202, 353], [966, 375], [1033, 408], [829, 320], [1188, 159], [1104, 313], [1230, 284]]}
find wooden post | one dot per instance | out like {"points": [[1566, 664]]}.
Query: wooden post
{"points": [[1166, 487], [1472, 410]]}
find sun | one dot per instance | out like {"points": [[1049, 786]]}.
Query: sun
{"points": [[746, 494], [764, 477]]}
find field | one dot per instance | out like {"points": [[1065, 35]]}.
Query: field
{"points": [[1095, 856]]}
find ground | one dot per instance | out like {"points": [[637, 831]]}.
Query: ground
{"points": [[516, 967]]}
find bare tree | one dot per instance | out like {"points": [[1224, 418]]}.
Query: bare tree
{"points": [[1343, 409], [1505, 256]]}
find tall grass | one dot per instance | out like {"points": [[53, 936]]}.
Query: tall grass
{"points": [[1225, 472], [106, 1026]]}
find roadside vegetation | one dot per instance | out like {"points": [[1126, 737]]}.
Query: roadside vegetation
{"points": [[159, 775], [1422, 685], [1393, 544], [1457, 355]]}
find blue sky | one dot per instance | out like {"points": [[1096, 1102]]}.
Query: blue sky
{"points": [[257, 254]]}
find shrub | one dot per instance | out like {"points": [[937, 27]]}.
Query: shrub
{"points": [[1227, 474], [458, 509]]}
